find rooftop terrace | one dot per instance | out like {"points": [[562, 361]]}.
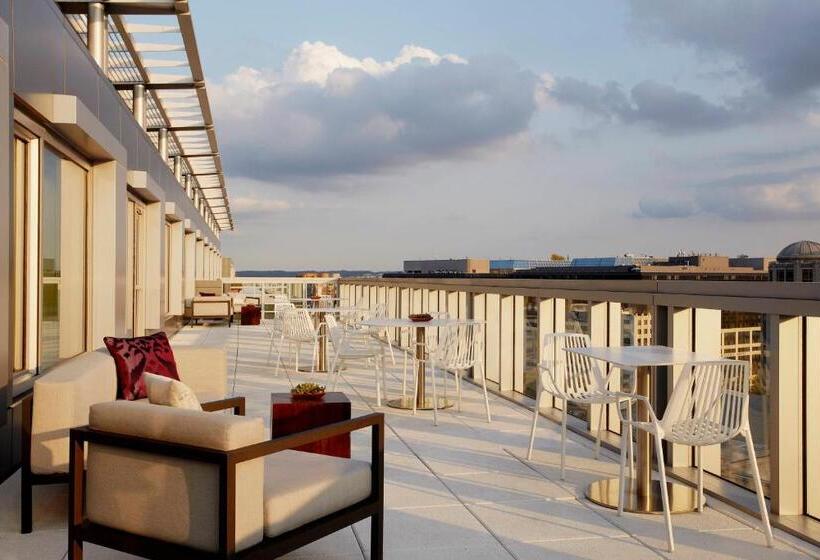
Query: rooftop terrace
{"points": [[459, 490]]}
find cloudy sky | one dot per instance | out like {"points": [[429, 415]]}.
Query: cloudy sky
{"points": [[357, 134]]}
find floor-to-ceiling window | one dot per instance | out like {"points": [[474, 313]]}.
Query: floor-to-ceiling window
{"points": [[166, 306], [63, 217], [135, 269], [22, 170]]}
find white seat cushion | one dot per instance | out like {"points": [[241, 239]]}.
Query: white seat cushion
{"points": [[302, 487]]}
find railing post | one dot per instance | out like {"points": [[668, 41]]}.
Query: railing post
{"points": [[598, 324], [492, 313], [506, 342], [679, 329], [519, 337], [786, 419], [708, 340], [614, 340]]}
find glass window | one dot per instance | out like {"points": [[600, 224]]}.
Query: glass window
{"points": [[62, 259], [808, 275], [531, 344], [21, 170], [167, 304], [744, 338]]}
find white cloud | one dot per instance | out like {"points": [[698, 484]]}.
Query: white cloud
{"points": [[325, 113]]}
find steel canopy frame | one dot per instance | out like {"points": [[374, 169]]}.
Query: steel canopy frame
{"points": [[176, 98]]}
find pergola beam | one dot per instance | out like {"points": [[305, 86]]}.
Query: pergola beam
{"points": [[192, 128], [122, 7], [162, 85]]}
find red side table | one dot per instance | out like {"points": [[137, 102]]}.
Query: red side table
{"points": [[289, 416], [251, 314]]}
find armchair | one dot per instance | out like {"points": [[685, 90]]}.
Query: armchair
{"points": [[160, 482]]}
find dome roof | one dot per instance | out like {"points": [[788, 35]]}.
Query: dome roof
{"points": [[800, 250]]}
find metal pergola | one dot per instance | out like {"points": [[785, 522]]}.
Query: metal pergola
{"points": [[153, 60]]}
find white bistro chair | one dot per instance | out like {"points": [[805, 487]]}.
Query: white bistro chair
{"points": [[709, 405], [461, 347], [297, 329], [577, 379], [274, 325], [355, 346]]}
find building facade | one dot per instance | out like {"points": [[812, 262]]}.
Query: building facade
{"points": [[448, 266], [797, 262], [115, 200]]}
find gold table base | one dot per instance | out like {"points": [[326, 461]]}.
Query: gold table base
{"points": [[682, 499], [406, 403]]}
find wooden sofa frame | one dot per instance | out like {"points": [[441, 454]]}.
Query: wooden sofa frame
{"points": [[29, 479], [226, 315], [81, 530]]}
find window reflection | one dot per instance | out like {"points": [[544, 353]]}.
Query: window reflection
{"points": [[576, 320], [743, 337], [62, 259]]}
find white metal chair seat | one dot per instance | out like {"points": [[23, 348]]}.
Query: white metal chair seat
{"points": [[573, 378], [709, 405]]}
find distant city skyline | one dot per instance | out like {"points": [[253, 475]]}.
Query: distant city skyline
{"points": [[359, 134]]}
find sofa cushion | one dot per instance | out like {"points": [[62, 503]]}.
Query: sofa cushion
{"points": [[205, 370], [61, 401], [301, 487], [135, 356], [171, 499], [170, 392]]}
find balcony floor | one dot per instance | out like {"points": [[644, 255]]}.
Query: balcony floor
{"points": [[461, 490]]}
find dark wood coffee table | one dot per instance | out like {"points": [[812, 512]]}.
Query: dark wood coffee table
{"points": [[289, 416]]}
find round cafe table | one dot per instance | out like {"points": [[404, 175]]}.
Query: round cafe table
{"points": [[422, 401], [643, 495], [319, 313]]}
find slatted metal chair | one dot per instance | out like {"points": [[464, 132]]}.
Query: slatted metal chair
{"points": [[297, 329], [356, 346], [709, 406], [573, 378]]}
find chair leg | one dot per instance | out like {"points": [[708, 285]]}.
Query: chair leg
{"points": [[314, 356], [700, 479], [630, 442], [378, 385], [404, 376], [598, 431], [435, 396], [621, 473], [761, 500], [336, 372], [415, 389], [377, 536], [457, 375], [390, 346], [279, 356], [298, 351], [535, 413], [384, 376], [26, 522], [486, 398], [664, 492], [270, 349], [563, 440]]}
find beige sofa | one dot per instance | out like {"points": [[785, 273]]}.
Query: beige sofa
{"points": [[166, 482], [62, 398], [217, 306]]}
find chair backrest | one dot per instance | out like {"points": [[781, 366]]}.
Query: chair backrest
{"points": [[135, 490], [460, 344], [569, 375], [297, 324], [709, 403], [334, 331], [281, 306]]}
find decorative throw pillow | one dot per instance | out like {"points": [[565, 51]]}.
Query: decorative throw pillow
{"points": [[170, 392], [135, 356], [207, 294]]}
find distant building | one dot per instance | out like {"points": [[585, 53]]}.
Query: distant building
{"points": [[798, 262], [500, 266], [448, 266]]}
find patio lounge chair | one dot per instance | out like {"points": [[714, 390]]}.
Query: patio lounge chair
{"points": [[163, 482]]}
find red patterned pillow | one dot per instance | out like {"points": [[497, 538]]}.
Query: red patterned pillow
{"points": [[135, 356]]}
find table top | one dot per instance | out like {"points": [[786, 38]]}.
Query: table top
{"points": [[642, 356], [331, 397], [404, 322]]}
